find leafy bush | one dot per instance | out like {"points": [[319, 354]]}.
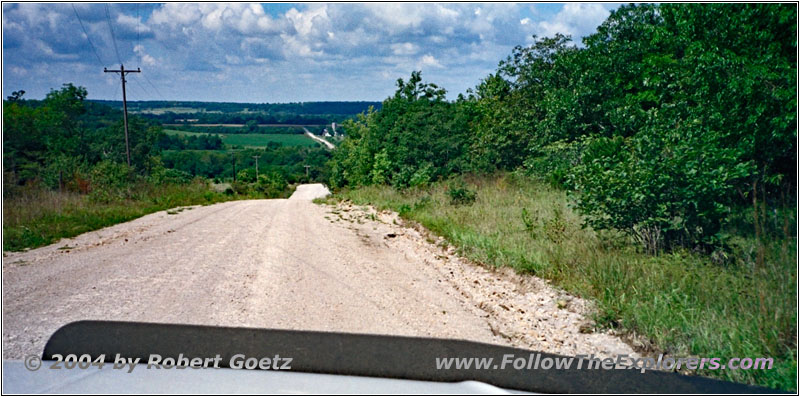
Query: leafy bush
{"points": [[272, 184], [460, 194], [246, 175], [676, 186], [240, 187], [110, 181], [63, 172], [381, 168], [422, 176], [556, 228], [162, 176], [417, 136], [554, 162], [531, 220]]}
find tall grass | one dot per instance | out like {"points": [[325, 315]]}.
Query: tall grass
{"points": [[34, 216], [681, 302]]}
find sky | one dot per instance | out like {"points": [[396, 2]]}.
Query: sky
{"points": [[257, 52]]}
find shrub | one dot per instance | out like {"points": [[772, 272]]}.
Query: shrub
{"points": [[667, 188], [460, 194], [246, 175], [63, 172], [381, 168], [240, 187], [422, 176], [532, 222], [553, 163], [110, 181], [272, 184], [162, 176]]}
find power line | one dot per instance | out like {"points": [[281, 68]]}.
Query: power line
{"points": [[147, 92], [116, 91], [113, 39], [138, 22], [94, 50], [154, 87]]}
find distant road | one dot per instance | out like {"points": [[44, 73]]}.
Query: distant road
{"points": [[318, 139]]}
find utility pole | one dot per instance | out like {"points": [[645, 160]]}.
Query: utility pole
{"points": [[307, 166], [256, 157], [122, 73], [233, 156]]}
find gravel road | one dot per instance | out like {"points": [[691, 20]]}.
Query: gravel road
{"points": [[320, 140], [286, 264]]}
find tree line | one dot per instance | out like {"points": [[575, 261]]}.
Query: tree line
{"points": [[241, 113], [666, 123], [329, 107]]}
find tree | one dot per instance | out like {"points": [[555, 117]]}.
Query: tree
{"points": [[251, 126], [16, 96]]}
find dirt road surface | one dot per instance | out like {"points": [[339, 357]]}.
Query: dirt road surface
{"points": [[286, 264]]}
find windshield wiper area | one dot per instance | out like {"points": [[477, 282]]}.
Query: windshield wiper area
{"points": [[377, 356]]}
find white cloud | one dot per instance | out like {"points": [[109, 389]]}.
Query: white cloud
{"points": [[404, 48], [430, 60], [576, 19], [144, 56], [248, 19], [304, 21]]}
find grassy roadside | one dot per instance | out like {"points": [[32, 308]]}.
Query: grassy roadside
{"points": [[680, 302], [36, 217]]}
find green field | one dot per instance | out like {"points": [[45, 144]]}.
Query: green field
{"points": [[255, 140], [177, 109]]}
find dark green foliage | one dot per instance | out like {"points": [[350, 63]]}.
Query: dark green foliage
{"points": [[165, 176], [460, 194], [110, 182], [712, 121], [191, 142], [281, 129], [57, 141], [417, 137], [272, 184]]}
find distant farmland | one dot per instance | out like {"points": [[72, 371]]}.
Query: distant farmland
{"points": [[242, 125], [255, 140]]}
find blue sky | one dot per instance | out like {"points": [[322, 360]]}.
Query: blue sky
{"points": [[251, 52]]}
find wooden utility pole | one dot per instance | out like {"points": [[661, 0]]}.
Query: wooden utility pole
{"points": [[307, 171], [233, 157], [256, 158], [122, 72]]}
